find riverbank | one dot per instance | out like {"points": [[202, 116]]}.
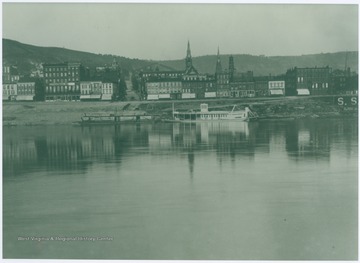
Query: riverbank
{"points": [[60, 113]]}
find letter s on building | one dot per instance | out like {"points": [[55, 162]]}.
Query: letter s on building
{"points": [[340, 101], [354, 101]]}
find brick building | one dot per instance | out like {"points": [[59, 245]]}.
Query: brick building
{"points": [[344, 82], [306, 81], [164, 88], [62, 80], [242, 84], [221, 79]]}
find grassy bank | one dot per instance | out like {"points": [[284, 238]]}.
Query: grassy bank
{"points": [[56, 113]]}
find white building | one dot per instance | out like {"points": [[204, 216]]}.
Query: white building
{"points": [[90, 90], [277, 88], [163, 89], [107, 90], [9, 91], [25, 91]]}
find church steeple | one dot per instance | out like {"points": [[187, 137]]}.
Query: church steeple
{"points": [[218, 63], [188, 59], [231, 67]]}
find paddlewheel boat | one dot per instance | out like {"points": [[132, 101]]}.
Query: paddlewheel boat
{"points": [[205, 115]]}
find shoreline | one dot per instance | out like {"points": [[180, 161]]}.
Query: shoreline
{"points": [[68, 113]]}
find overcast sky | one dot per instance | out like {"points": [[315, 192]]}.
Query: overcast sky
{"points": [[161, 31]]}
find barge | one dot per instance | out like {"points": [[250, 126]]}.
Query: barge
{"points": [[111, 118]]}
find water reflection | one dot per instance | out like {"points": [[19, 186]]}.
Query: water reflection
{"points": [[76, 148], [162, 189], [312, 139]]}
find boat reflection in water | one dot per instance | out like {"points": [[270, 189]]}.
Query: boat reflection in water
{"points": [[221, 138], [75, 148]]}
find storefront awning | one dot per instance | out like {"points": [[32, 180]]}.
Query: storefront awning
{"points": [[303, 92], [106, 97], [164, 96], [90, 97], [153, 97], [25, 97], [276, 92]]}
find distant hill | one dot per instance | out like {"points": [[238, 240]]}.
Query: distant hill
{"points": [[262, 65], [28, 57]]}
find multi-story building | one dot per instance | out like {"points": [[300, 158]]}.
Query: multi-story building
{"points": [[6, 74], [242, 84], [164, 88], [344, 82], [277, 87], [10, 74], [25, 90], [150, 82], [153, 75], [10, 77], [107, 90], [261, 86], [242, 89], [62, 80], [9, 91], [194, 85], [198, 86], [90, 90], [221, 79], [188, 84], [306, 81], [222, 84]]}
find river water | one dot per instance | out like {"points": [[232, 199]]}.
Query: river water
{"points": [[264, 190]]}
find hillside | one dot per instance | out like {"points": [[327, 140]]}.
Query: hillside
{"points": [[27, 57], [276, 65]]}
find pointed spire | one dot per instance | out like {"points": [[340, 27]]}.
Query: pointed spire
{"points": [[218, 63], [188, 59], [188, 53], [231, 67]]}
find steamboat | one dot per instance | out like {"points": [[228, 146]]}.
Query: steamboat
{"points": [[204, 115]]}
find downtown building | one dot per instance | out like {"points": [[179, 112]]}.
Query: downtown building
{"points": [[308, 81], [10, 77], [62, 81], [96, 91], [187, 84], [344, 82], [26, 89], [231, 83], [16, 88]]}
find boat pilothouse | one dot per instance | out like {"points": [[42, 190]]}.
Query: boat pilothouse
{"points": [[205, 115]]}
